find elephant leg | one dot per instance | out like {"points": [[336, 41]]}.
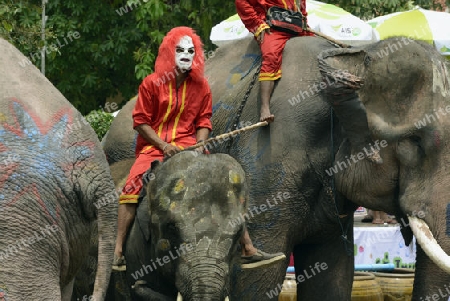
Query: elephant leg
{"points": [[66, 291], [324, 271]]}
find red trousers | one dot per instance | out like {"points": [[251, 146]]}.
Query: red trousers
{"points": [[271, 51], [133, 185]]}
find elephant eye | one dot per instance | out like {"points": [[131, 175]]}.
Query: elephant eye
{"points": [[417, 142]]}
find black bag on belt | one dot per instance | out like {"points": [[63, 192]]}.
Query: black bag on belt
{"points": [[286, 20]]}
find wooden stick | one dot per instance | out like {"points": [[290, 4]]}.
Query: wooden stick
{"points": [[227, 135], [343, 45]]}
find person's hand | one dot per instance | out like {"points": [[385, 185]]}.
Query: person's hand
{"points": [[202, 150], [260, 38], [169, 150]]}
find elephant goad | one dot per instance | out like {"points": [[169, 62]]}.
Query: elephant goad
{"points": [[186, 232], [55, 188], [309, 176]]}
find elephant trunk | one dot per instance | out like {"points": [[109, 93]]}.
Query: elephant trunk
{"points": [[203, 279], [143, 292], [386, 131], [429, 244]]}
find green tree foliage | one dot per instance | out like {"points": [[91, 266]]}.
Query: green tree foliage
{"points": [[96, 49], [369, 9], [20, 23], [100, 121]]}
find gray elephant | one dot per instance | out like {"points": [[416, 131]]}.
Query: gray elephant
{"points": [[306, 169], [55, 186], [184, 239]]}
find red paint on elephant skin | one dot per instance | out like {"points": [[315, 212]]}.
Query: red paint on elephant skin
{"points": [[9, 171], [22, 119], [32, 189], [437, 139], [43, 127]]}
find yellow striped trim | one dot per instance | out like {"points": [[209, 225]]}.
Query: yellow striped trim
{"points": [[269, 76], [260, 29], [146, 148], [285, 5], [128, 199], [174, 130], [169, 107]]}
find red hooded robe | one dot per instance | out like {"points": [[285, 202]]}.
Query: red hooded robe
{"points": [[174, 114]]}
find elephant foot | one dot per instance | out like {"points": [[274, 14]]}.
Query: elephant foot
{"points": [[119, 264], [260, 259]]}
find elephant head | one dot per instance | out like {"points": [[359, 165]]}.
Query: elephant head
{"points": [[404, 87], [196, 207]]}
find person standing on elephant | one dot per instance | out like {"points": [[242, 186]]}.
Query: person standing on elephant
{"points": [[173, 111], [271, 43]]}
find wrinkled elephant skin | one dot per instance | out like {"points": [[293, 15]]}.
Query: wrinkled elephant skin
{"points": [[292, 168], [55, 186], [185, 236]]}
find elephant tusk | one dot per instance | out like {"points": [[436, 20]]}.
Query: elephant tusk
{"points": [[429, 244], [227, 299]]}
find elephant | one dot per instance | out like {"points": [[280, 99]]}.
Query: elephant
{"points": [[306, 170], [55, 188], [185, 236]]}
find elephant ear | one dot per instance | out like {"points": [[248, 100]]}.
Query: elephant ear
{"points": [[374, 71], [343, 65]]}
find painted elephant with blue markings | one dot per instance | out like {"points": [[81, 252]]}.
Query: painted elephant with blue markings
{"points": [[310, 155], [55, 189]]}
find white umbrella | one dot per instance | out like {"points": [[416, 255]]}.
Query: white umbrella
{"points": [[420, 24], [322, 17]]}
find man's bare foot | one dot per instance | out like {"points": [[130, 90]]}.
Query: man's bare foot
{"points": [[266, 116]]}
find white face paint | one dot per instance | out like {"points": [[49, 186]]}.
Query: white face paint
{"points": [[184, 53]]}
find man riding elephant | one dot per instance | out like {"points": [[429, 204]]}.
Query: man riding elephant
{"points": [[173, 111], [270, 41]]}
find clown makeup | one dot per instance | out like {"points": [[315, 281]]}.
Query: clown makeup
{"points": [[184, 53]]}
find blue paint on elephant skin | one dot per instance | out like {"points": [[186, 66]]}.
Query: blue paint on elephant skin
{"points": [[247, 63], [42, 158], [3, 292], [223, 105]]}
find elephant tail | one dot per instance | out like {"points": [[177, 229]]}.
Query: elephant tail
{"points": [[107, 228]]}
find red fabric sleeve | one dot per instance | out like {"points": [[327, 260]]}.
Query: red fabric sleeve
{"points": [[203, 119], [252, 19], [142, 110], [303, 8]]}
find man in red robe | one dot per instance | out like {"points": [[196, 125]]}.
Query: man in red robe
{"points": [[173, 111], [272, 42]]}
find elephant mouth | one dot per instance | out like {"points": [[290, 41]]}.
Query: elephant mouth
{"points": [[429, 244], [180, 298]]}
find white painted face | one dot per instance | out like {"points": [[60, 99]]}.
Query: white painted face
{"points": [[184, 53]]}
